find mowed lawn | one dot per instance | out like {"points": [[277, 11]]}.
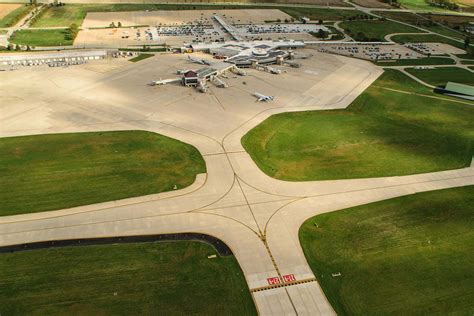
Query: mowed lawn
{"points": [[375, 30], [382, 133], [52, 37], [412, 255], [440, 76], [164, 278], [75, 13], [48, 172]]}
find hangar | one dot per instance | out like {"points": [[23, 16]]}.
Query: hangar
{"points": [[458, 90]]}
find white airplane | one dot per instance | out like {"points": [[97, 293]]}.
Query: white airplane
{"points": [[162, 82], [199, 61], [262, 97]]}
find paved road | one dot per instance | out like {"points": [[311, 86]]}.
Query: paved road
{"points": [[257, 216]]}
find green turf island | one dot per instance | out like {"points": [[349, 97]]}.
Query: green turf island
{"points": [[412, 255], [386, 131], [15, 16], [49, 172], [164, 278]]}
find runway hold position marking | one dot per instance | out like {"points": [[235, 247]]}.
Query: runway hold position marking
{"points": [[273, 281], [289, 278]]}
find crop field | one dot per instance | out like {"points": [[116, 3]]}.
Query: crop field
{"points": [[12, 14], [411, 255], [48, 172], [384, 132], [123, 279], [375, 30], [51, 37], [440, 76]]}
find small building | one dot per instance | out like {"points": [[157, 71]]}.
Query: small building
{"points": [[458, 90], [190, 78], [305, 20]]}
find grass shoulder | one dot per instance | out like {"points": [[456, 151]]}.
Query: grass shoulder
{"points": [[127, 279], [49, 172], [440, 76], [415, 252]]}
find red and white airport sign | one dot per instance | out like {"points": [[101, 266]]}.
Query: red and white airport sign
{"points": [[273, 281], [289, 278]]}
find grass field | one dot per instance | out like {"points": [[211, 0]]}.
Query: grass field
{"points": [[374, 30], [15, 16], [52, 37], [75, 13], [49, 172], [168, 278], [382, 133], [406, 256], [140, 57], [419, 61], [440, 76]]}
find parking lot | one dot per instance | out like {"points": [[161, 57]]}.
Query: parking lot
{"points": [[370, 51]]}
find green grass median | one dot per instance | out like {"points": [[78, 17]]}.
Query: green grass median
{"points": [[165, 278], [411, 255], [386, 131], [48, 172]]}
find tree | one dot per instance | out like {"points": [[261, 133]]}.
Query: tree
{"points": [[73, 30], [322, 33], [119, 24], [112, 24], [17, 48], [467, 42]]}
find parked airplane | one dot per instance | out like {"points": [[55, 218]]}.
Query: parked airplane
{"points": [[198, 61], [262, 97], [162, 82]]}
